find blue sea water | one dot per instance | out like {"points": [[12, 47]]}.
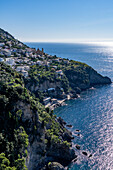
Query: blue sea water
{"points": [[92, 112]]}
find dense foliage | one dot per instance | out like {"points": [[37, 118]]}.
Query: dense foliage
{"points": [[26, 125], [13, 131], [13, 138], [42, 73]]}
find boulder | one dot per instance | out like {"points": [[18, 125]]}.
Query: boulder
{"points": [[61, 121], [90, 155], [68, 136], [78, 146], [61, 153], [84, 153], [69, 126], [73, 95], [74, 160], [78, 134], [55, 166], [77, 130]]}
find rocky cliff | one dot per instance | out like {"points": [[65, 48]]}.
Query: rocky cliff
{"points": [[84, 77], [95, 78], [75, 77], [31, 136]]}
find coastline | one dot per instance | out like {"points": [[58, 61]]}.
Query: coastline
{"points": [[31, 78], [61, 102]]}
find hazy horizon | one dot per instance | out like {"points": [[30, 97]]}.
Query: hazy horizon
{"points": [[96, 43]]}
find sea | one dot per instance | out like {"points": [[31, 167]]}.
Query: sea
{"points": [[92, 112]]}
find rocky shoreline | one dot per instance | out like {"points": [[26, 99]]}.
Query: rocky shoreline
{"points": [[64, 158], [58, 102], [32, 85], [76, 147]]}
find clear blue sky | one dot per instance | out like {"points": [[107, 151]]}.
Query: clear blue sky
{"points": [[57, 20]]}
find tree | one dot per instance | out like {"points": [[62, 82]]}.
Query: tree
{"points": [[4, 162]]}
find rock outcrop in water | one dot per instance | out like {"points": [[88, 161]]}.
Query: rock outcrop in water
{"points": [[96, 79], [30, 135], [84, 77]]}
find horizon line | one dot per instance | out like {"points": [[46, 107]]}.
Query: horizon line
{"points": [[96, 42], [68, 40]]}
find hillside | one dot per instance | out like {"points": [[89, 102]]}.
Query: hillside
{"points": [[31, 136], [27, 130], [9, 40], [52, 79]]}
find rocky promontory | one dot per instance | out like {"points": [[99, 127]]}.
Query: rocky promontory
{"points": [[55, 88], [32, 84]]}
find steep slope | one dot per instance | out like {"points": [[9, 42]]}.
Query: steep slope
{"points": [[83, 76], [28, 133], [8, 39]]}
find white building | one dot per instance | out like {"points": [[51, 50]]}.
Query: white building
{"points": [[6, 52], [20, 45], [1, 59], [25, 73], [51, 89], [26, 68], [46, 100], [10, 61], [59, 72], [2, 44], [66, 61], [39, 62], [55, 67], [22, 68], [9, 43]]}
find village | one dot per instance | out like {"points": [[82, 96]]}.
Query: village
{"points": [[22, 59]]}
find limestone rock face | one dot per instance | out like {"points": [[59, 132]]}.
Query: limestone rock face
{"points": [[61, 153], [26, 110], [47, 84], [39, 154], [44, 86], [36, 157]]}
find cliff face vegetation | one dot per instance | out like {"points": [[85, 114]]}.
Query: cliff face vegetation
{"points": [[29, 133], [13, 138], [31, 136], [74, 77]]}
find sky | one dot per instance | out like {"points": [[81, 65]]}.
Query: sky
{"points": [[58, 20]]}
